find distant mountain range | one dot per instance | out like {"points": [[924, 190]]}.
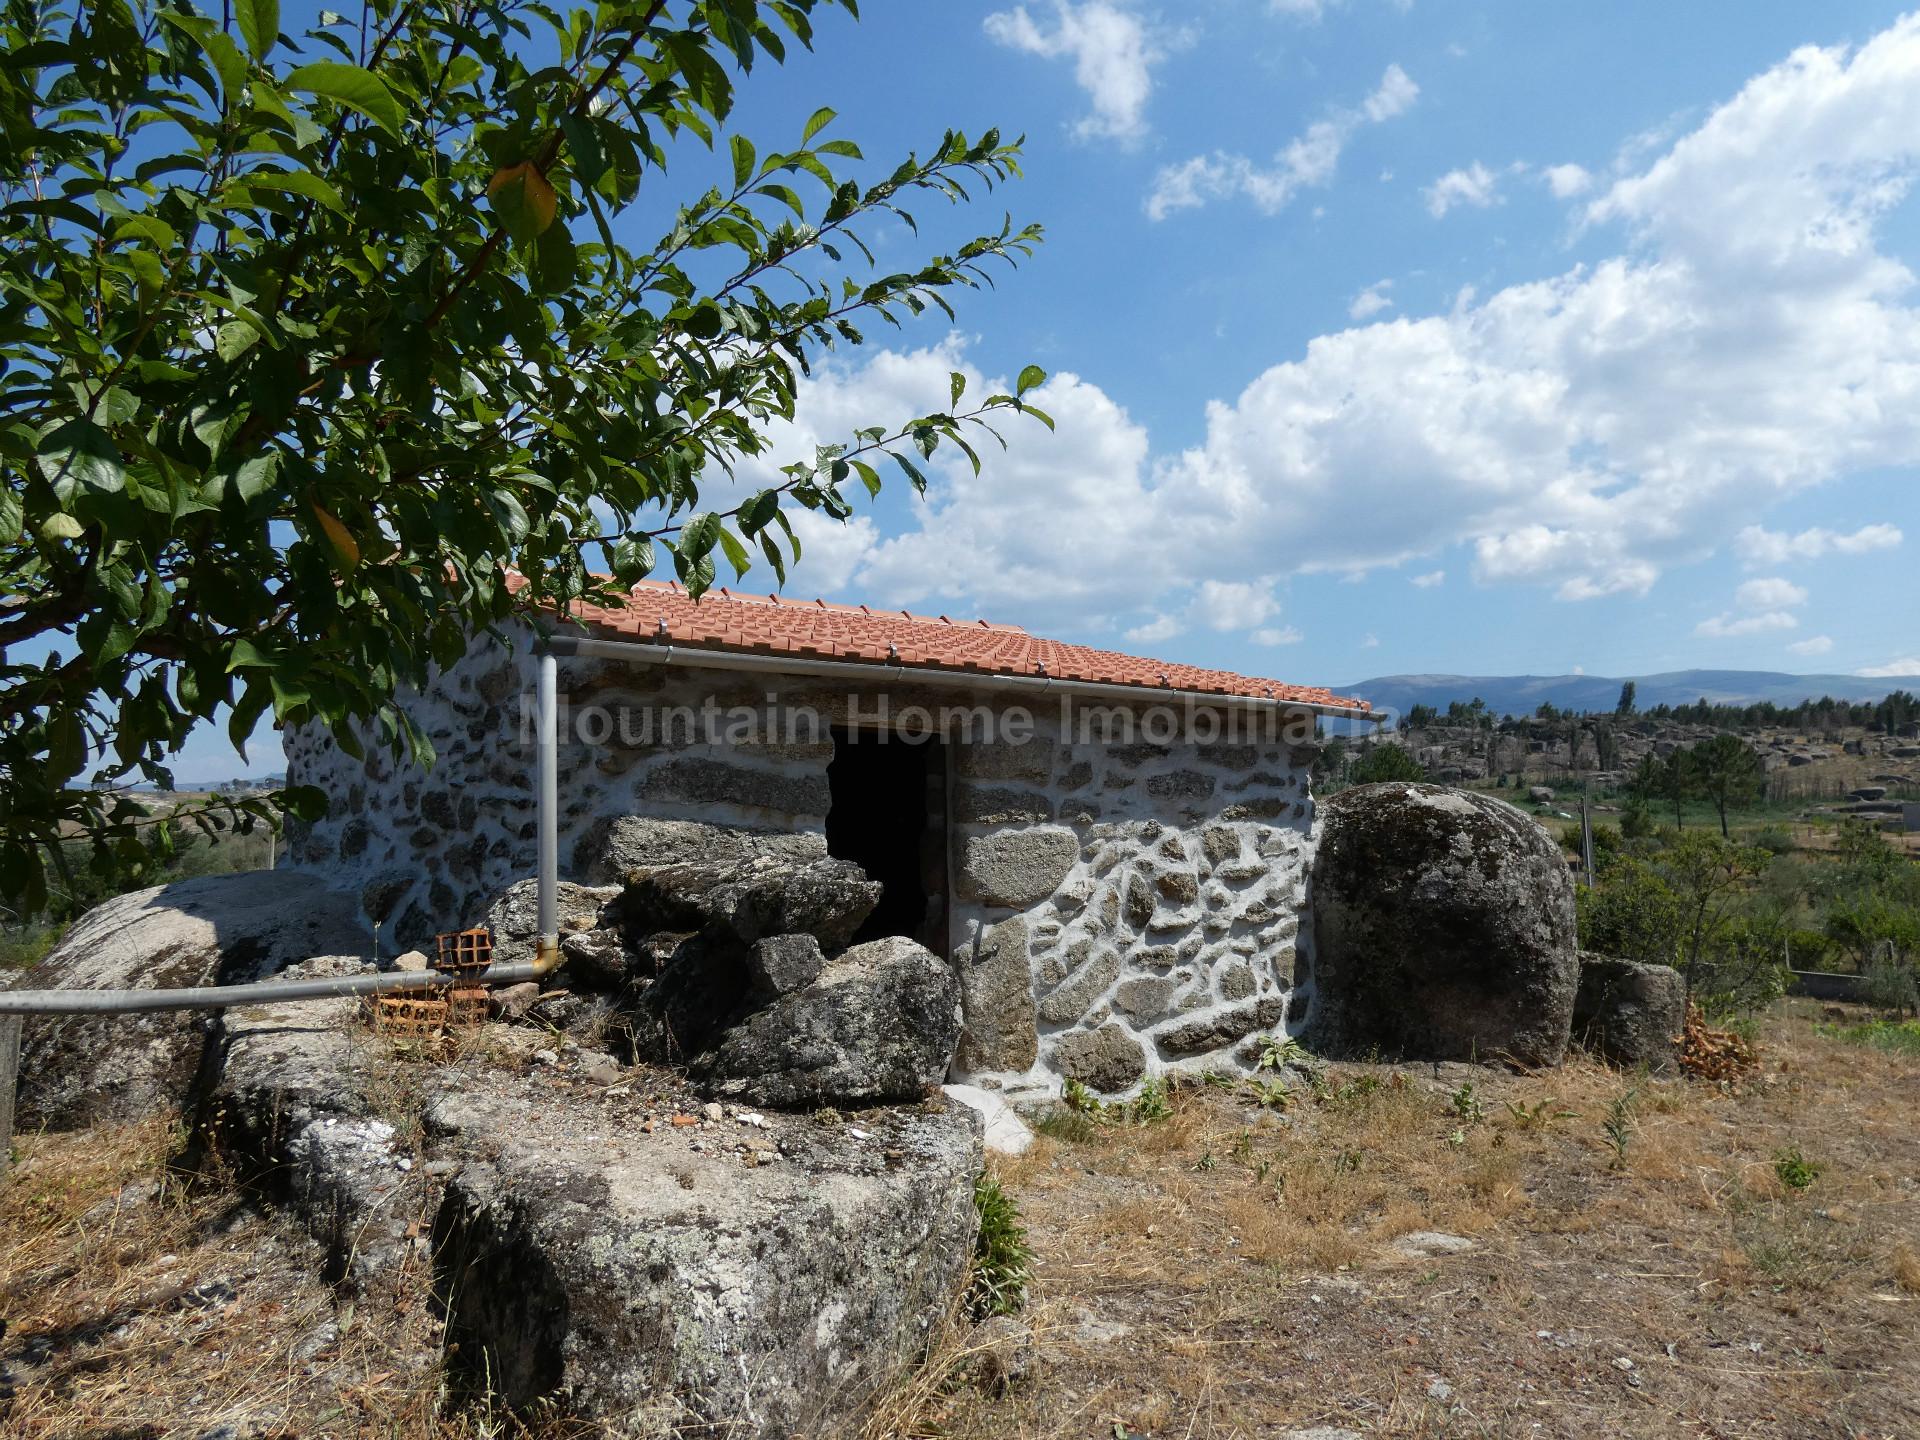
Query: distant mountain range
{"points": [[1523, 694]]}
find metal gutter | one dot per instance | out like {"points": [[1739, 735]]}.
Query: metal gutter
{"points": [[650, 653]]}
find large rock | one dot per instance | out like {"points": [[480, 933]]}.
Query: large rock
{"points": [[1000, 1031], [1630, 1013], [878, 1024], [621, 844], [288, 1105], [650, 1280], [514, 915], [682, 875], [590, 1270], [78, 1070], [1444, 929], [1016, 868]]}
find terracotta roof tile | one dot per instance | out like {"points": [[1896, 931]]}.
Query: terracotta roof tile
{"points": [[773, 624]]}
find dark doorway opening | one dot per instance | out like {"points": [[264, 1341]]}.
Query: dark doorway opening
{"points": [[888, 816]]}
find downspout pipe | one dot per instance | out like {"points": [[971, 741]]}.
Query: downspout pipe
{"points": [[547, 742]]}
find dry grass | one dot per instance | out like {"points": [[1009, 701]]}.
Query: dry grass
{"points": [[1235, 1270], [1249, 1259], [136, 1305]]}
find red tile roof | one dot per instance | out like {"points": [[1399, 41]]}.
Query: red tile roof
{"points": [[661, 612]]}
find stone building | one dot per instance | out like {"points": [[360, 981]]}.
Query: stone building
{"points": [[1112, 850]]}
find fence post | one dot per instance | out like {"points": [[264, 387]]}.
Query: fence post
{"points": [[9, 1071]]}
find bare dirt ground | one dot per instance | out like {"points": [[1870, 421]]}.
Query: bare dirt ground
{"points": [[1234, 1270]]}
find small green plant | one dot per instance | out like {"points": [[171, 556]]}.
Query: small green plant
{"points": [[1075, 1127], [1153, 1103], [1002, 1258], [1619, 1126], [1796, 1172], [1540, 1116], [1282, 1051], [1076, 1096], [1206, 1162], [1466, 1105], [1271, 1094]]}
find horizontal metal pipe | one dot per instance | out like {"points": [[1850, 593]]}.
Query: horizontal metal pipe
{"points": [[648, 653], [263, 992]]}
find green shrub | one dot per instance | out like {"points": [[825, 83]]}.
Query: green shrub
{"points": [[1796, 1172], [1895, 1037], [1002, 1258]]}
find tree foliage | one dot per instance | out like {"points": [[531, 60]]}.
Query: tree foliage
{"points": [[310, 340], [1387, 762]]}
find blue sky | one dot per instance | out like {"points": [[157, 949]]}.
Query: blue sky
{"points": [[1624, 290], [1399, 335]]}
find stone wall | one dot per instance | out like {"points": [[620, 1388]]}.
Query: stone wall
{"points": [[1119, 908], [1122, 910]]}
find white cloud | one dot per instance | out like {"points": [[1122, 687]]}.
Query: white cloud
{"points": [[1234, 604], [1161, 627], [1394, 96], [1731, 627], [1759, 546], [1432, 580], [830, 551], [1566, 181], [1772, 594], [1371, 301], [1310, 159], [1281, 635], [1372, 642], [1759, 606], [1812, 645], [1893, 669], [1587, 431], [1113, 58], [1476, 186]]}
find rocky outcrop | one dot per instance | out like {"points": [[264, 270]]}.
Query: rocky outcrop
{"points": [[658, 1290], [604, 1251], [877, 1024], [1630, 1014], [514, 915], [287, 1104], [751, 898], [1444, 929], [616, 847], [78, 1070]]}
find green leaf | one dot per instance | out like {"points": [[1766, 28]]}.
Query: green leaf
{"points": [[351, 86], [736, 553], [259, 24], [957, 385], [303, 802], [255, 477], [699, 535], [819, 121], [81, 452], [12, 516], [61, 526], [299, 182], [235, 338], [742, 161], [1030, 377]]}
